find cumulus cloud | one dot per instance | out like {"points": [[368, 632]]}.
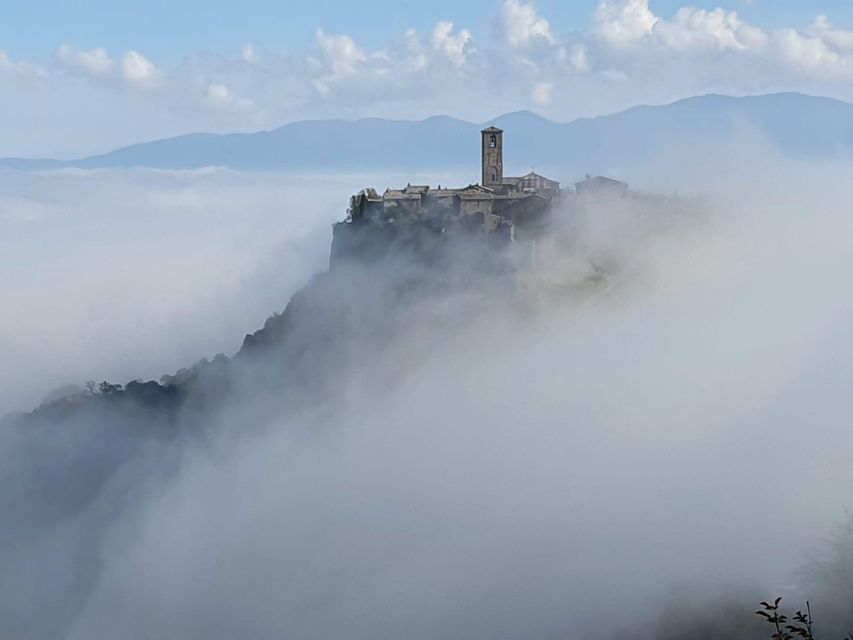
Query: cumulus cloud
{"points": [[522, 24], [579, 58], [138, 70], [452, 45], [221, 97], [401, 70], [530, 46], [624, 22], [21, 69], [133, 68], [822, 50], [341, 58], [249, 54], [417, 56], [95, 63], [543, 93], [341, 53], [693, 28], [841, 39]]}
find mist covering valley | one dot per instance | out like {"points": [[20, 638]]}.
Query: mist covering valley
{"points": [[642, 432]]}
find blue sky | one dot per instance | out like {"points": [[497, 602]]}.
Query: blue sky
{"points": [[171, 30], [83, 77]]}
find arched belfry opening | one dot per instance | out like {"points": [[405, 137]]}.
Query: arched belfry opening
{"points": [[492, 157]]}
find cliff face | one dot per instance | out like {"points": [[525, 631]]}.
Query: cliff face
{"points": [[431, 243]]}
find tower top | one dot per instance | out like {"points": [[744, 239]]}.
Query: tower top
{"points": [[493, 157]]}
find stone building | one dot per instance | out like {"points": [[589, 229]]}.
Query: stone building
{"points": [[600, 186], [496, 203], [417, 220]]}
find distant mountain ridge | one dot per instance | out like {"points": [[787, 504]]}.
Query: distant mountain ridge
{"points": [[794, 123]]}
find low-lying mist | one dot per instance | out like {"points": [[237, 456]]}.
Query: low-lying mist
{"points": [[569, 451], [116, 275]]}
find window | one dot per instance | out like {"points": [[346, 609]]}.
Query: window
{"points": [[493, 141], [494, 177]]}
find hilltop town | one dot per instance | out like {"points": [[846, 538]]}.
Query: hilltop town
{"points": [[506, 209]]}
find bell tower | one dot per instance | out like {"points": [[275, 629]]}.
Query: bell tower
{"points": [[493, 157]]}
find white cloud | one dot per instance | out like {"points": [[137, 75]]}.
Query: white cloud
{"points": [[579, 58], [522, 25], [96, 63], [249, 54], [820, 52], [693, 28], [452, 45], [813, 55], [229, 275], [341, 53], [133, 67], [21, 69], [342, 58], [416, 55], [530, 46], [543, 93], [624, 22], [841, 39], [221, 97], [400, 70], [138, 70]]}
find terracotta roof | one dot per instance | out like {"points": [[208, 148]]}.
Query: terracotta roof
{"points": [[477, 187], [478, 195], [602, 180], [393, 194]]}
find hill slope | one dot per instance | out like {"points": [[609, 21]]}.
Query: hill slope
{"points": [[795, 123]]}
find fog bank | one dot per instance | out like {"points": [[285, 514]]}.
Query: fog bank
{"points": [[556, 453], [685, 428], [117, 275]]}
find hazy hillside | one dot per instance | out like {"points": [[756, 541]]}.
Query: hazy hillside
{"points": [[795, 123]]}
